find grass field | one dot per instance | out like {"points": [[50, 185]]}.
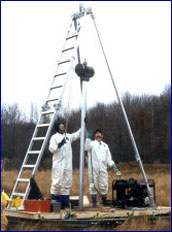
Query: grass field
{"points": [[160, 173]]}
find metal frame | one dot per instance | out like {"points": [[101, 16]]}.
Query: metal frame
{"points": [[82, 12]]}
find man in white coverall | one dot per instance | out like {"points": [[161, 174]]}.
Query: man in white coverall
{"points": [[60, 146], [99, 157]]}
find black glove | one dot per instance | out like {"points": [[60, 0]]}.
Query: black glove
{"points": [[62, 143]]}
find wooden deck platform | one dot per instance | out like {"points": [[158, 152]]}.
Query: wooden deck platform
{"points": [[87, 217]]}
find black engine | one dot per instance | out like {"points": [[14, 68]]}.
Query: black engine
{"points": [[131, 193]]}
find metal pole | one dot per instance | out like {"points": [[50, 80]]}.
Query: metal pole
{"points": [[137, 156], [85, 73], [82, 143], [82, 139]]}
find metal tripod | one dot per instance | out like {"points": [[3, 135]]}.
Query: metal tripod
{"points": [[52, 105]]}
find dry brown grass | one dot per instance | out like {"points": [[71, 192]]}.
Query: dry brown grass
{"points": [[140, 224], [160, 173]]}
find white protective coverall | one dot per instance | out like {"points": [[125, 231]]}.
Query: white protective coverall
{"points": [[62, 162], [99, 157]]}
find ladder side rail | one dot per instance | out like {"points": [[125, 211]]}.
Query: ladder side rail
{"points": [[71, 63], [34, 135], [48, 133], [34, 172], [57, 106], [52, 82], [74, 48], [49, 128], [35, 168], [44, 144], [25, 158]]}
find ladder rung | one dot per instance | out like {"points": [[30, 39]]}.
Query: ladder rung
{"points": [[56, 87], [43, 125], [28, 165], [19, 194], [34, 152], [60, 74], [63, 62], [23, 180], [68, 49], [48, 112], [72, 36], [38, 138], [55, 99]]}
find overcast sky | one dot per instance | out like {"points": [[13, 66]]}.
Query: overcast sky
{"points": [[136, 37]]}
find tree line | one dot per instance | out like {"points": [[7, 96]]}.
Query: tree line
{"points": [[149, 117]]}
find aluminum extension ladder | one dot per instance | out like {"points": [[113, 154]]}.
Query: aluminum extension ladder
{"points": [[49, 111]]}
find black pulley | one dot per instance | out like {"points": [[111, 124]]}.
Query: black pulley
{"points": [[84, 71]]}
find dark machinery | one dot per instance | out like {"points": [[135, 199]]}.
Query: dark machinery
{"points": [[131, 193], [84, 71]]}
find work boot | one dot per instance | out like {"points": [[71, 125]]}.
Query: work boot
{"points": [[104, 200], [94, 200], [56, 197], [65, 201]]}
